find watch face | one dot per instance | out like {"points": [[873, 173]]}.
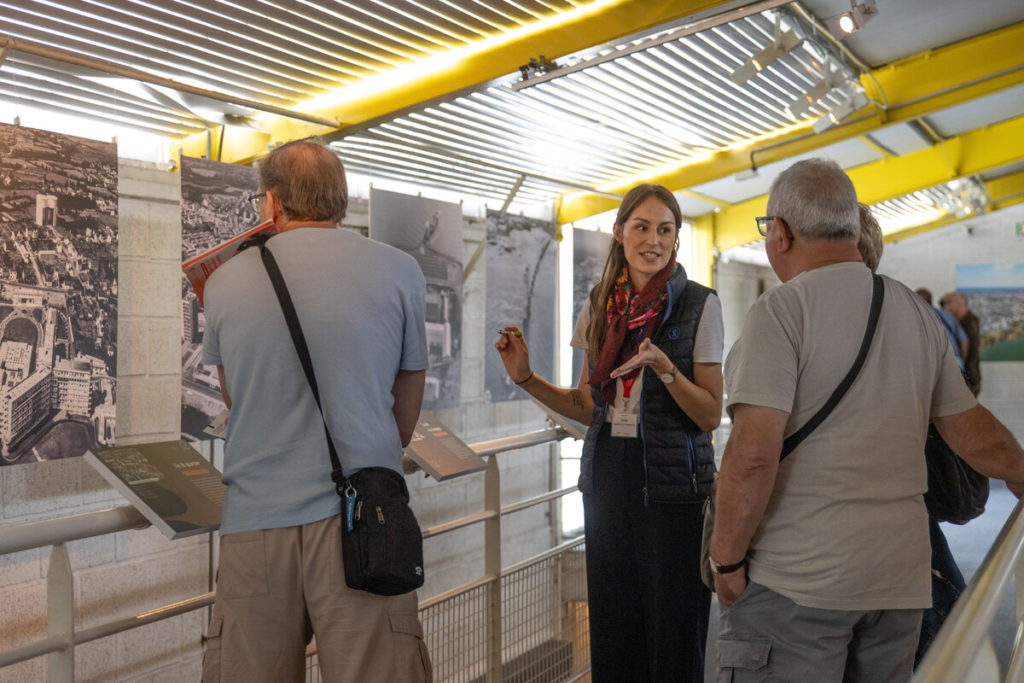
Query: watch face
{"points": [[667, 377]]}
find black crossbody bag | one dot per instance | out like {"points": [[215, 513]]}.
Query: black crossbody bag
{"points": [[381, 541], [796, 438]]}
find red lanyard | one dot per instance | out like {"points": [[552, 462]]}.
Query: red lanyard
{"points": [[627, 386]]}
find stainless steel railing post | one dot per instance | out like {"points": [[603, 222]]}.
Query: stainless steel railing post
{"points": [[492, 567], [60, 615]]}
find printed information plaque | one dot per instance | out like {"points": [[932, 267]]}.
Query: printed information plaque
{"points": [[440, 453], [169, 482]]}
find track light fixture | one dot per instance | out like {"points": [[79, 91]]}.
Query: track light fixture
{"points": [[802, 105], [537, 66], [853, 100], [783, 43], [842, 25]]}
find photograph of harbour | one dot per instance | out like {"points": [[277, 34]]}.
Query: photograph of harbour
{"points": [[214, 208], [58, 295]]}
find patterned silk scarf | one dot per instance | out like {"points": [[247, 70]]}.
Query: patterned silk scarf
{"points": [[632, 316]]}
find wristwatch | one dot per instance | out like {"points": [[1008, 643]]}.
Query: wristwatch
{"points": [[725, 568], [670, 376]]}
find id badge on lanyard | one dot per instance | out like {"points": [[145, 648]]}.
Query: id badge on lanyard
{"points": [[624, 422]]}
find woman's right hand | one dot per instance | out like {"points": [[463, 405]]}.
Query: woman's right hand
{"points": [[511, 345]]}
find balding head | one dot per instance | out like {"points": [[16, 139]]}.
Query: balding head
{"points": [[817, 201], [955, 303], [308, 180]]}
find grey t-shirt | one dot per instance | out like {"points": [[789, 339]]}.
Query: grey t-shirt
{"points": [[846, 527], [361, 306]]}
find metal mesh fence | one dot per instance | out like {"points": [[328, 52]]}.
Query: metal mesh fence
{"points": [[545, 634]]}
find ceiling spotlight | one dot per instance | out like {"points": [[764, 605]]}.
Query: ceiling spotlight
{"points": [[783, 43], [842, 25]]}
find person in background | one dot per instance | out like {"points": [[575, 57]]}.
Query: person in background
{"points": [[280, 580], [822, 561], [957, 337], [956, 305], [651, 392], [947, 580]]}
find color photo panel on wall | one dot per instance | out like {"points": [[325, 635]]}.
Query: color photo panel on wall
{"points": [[431, 232], [214, 208], [520, 292], [995, 293], [589, 252], [58, 294]]}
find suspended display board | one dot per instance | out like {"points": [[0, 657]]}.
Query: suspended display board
{"points": [[58, 294], [520, 292], [431, 232], [214, 208]]}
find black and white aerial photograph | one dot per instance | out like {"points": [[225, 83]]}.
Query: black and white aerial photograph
{"points": [[589, 252], [520, 292], [431, 232], [214, 208], [58, 295]]}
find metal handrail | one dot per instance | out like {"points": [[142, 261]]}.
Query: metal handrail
{"points": [[953, 652], [56, 532]]}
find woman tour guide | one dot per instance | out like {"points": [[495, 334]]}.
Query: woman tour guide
{"points": [[651, 392]]}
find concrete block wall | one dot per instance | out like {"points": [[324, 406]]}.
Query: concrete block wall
{"points": [[126, 573]]}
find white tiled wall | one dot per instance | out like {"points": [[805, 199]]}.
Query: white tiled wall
{"points": [[122, 574]]}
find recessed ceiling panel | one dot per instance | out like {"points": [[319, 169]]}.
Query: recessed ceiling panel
{"points": [[1000, 106]]}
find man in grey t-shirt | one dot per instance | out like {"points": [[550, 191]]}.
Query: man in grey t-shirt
{"points": [[361, 307], [822, 561]]}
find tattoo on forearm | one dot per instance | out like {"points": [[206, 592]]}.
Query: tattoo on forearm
{"points": [[577, 399]]}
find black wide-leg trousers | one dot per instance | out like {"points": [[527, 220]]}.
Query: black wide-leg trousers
{"points": [[648, 607]]}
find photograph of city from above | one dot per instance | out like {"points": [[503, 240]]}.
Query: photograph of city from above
{"points": [[58, 294], [214, 208]]}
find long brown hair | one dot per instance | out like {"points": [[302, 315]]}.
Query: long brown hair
{"points": [[616, 260]]}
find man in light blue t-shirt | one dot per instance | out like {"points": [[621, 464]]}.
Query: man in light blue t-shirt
{"points": [[361, 307]]}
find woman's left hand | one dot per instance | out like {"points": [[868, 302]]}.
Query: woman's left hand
{"points": [[647, 354]]}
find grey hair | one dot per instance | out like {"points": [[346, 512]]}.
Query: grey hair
{"points": [[308, 180], [817, 200]]}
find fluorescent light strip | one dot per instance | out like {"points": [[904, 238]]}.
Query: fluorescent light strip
{"points": [[426, 158], [497, 11], [161, 36], [461, 173]]}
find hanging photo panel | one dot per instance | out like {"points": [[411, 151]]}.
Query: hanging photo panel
{"points": [[214, 208], [589, 253], [520, 292], [58, 295], [995, 293], [431, 232]]}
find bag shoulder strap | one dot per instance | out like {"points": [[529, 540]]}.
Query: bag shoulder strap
{"points": [[794, 439], [299, 340]]}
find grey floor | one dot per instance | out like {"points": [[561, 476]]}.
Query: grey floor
{"points": [[970, 543]]}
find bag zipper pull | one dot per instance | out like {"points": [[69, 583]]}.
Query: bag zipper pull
{"points": [[380, 515]]}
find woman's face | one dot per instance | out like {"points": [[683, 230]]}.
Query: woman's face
{"points": [[648, 237]]}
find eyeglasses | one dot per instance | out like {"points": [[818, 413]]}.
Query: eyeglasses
{"points": [[254, 199], [762, 224]]}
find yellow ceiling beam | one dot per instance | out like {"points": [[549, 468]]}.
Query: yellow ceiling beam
{"points": [[913, 87], [973, 152], [1006, 190], [461, 68]]}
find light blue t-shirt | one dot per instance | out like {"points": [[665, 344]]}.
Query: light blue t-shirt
{"points": [[361, 307], [954, 332]]}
